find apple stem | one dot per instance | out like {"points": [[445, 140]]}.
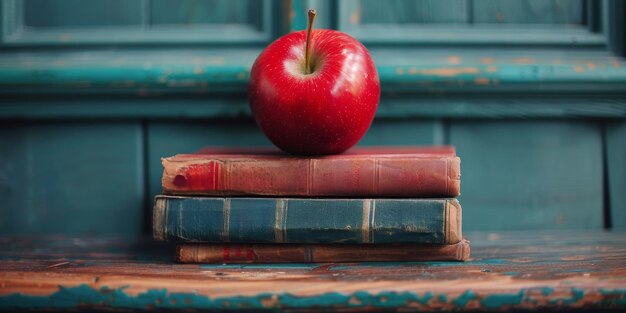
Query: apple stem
{"points": [[307, 48]]}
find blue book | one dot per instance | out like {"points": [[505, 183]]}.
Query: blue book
{"points": [[294, 220]]}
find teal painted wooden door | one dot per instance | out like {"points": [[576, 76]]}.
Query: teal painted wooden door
{"points": [[94, 93]]}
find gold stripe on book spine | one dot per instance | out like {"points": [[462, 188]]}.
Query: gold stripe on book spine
{"points": [[365, 220], [278, 221], [226, 232], [159, 219]]}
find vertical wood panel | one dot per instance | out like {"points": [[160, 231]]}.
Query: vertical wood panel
{"points": [[530, 174], [616, 158], [169, 138], [410, 11], [46, 13], [71, 178], [205, 12], [528, 11]]}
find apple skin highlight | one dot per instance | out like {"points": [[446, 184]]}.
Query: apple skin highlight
{"points": [[324, 112]]}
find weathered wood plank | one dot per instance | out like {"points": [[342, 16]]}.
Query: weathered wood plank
{"points": [[616, 166], [510, 270], [71, 178], [530, 174], [406, 70]]}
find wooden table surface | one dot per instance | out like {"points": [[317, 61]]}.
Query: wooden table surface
{"points": [[510, 270]]}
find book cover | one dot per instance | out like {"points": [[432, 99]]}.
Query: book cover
{"points": [[410, 172], [294, 220], [318, 253]]}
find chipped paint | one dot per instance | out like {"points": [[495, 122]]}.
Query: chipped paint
{"points": [[464, 299], [614, 296], [454, 59], [448, 72], [511, 273], [502, 300], [82, 296], [524, 60], [355, 17], [576, 295], [442, 298], [481, 81], [63, 73]]}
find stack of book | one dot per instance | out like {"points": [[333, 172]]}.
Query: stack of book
{"points": [[263, 206]]}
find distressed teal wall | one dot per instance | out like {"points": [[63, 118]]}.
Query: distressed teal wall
{"points": [[71, 177], [89, 103]]}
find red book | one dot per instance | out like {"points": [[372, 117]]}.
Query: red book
{"points": [[360, 172]]}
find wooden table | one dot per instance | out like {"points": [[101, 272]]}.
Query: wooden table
{"points": [[512, 270]]}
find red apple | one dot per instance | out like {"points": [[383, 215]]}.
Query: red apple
{"points": [[325, 111]]}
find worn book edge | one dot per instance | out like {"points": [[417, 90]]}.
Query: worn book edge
{"points": [[158, 219], [220, 181], [452, 221]]}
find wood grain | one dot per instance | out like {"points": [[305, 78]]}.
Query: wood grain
{"points": [[509, 270]]}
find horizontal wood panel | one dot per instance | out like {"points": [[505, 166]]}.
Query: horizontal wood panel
{"points": [[402, 70], [616, 171], [390, 107], [530, 174], [71, 178]]}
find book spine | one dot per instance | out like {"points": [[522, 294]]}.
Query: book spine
{"points": [[289, 220], [290, 253], [347, 177]]}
